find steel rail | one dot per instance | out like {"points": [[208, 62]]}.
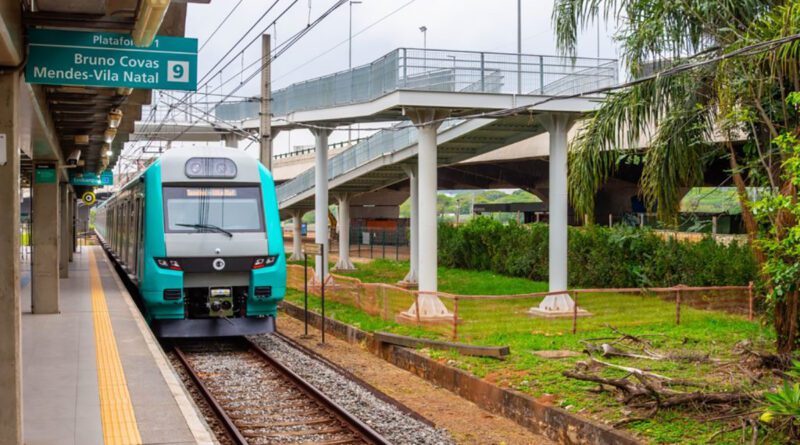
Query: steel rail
{"points": [[360, 429], [226, 421], [356, 425]]}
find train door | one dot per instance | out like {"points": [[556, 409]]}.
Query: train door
{"points": [[140, 240], [113, 228], [124, 218], [132, 234], [137, 202]]}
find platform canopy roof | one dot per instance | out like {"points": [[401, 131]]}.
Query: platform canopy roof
{"points": [[64, 112]]}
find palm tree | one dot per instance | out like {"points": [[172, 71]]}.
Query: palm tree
{"points": [[724, 69]]}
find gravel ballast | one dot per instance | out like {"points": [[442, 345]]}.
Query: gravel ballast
{"points": [[388, 420]]}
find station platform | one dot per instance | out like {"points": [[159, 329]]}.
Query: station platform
{"points": [[94, 373]]}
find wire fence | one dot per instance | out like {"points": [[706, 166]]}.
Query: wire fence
{"points": [[478, 317]]}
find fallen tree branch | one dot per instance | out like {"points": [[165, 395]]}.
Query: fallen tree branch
{"points": [[650, 387], [629, 388], [634, 371]]}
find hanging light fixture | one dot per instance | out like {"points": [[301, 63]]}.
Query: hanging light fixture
{"points": [[151, 14], [107, 150], [109, 135], [114, 118]]}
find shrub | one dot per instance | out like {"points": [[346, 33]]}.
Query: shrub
{"points": [[598, 256]]}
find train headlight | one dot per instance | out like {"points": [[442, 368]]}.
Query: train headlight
{"points": [[166, 263], [222, 168], [260, 263], [194, 167]]}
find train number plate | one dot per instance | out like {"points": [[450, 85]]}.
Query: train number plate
{"points": [[219, 292]]}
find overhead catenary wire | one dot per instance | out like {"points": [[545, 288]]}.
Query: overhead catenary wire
{"points": [[265, 60], [212, 74], [329, 50], [213, 33]]}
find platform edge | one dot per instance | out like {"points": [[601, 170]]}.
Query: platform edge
{"points": [[191, 414]]}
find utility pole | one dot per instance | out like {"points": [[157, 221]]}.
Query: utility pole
{"points": [[265, 127], [598, 39], [350, 58], [424, 30], [519, 46]]}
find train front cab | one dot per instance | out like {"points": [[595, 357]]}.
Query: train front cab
{"points": [[166, 294]]}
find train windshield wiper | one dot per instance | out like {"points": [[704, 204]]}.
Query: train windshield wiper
{"points": [[207, 227]]}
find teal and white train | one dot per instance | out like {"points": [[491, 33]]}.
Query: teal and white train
{"points": [[198, 233]]}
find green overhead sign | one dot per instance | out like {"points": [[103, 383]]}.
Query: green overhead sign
{"points": [[104, 59], [45, 174], [92, 179]]}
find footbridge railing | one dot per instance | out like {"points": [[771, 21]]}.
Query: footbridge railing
{"points": [[448, 71]]}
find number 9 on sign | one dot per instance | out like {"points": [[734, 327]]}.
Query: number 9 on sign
{"points": [[177, 71]]}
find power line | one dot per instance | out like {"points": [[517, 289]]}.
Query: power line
{"points": [[220, 25], [189, 95], [328, 51], [271, 7], [286, 46]]}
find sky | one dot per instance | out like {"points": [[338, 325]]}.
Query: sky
{"points": [[476, 25]]}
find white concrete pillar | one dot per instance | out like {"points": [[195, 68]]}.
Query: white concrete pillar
{"points": [[558, 125], [10, 316], [428, 306], [411, 278], [46, 212], [321, 200], [428, 224], [344, 262], [297, 236], [64, 247]]}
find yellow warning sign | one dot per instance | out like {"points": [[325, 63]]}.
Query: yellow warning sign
{"points": [[88, 198]]}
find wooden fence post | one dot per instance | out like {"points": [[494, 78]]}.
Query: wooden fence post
{"points": [[386, 313], [575, 313], [678, 306], [455, 318], [750, 301], [416, 305]]}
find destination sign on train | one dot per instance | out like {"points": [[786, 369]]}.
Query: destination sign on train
{"points": [[103, 59]]}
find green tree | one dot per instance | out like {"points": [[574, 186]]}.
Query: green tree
{"points": [[725, 68]]}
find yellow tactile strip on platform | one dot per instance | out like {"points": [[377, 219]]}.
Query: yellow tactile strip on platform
{"points": [[116, 409]]}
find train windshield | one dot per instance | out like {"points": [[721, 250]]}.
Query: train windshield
{"points": [[231, 209]]}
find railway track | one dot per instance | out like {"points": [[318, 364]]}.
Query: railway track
{"points": [[260, 401]]}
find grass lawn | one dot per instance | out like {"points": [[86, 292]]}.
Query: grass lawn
{"points": [[454, 281], [505, 322]]}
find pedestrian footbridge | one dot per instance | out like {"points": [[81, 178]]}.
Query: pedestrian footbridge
{"points": [[446, 106]]}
